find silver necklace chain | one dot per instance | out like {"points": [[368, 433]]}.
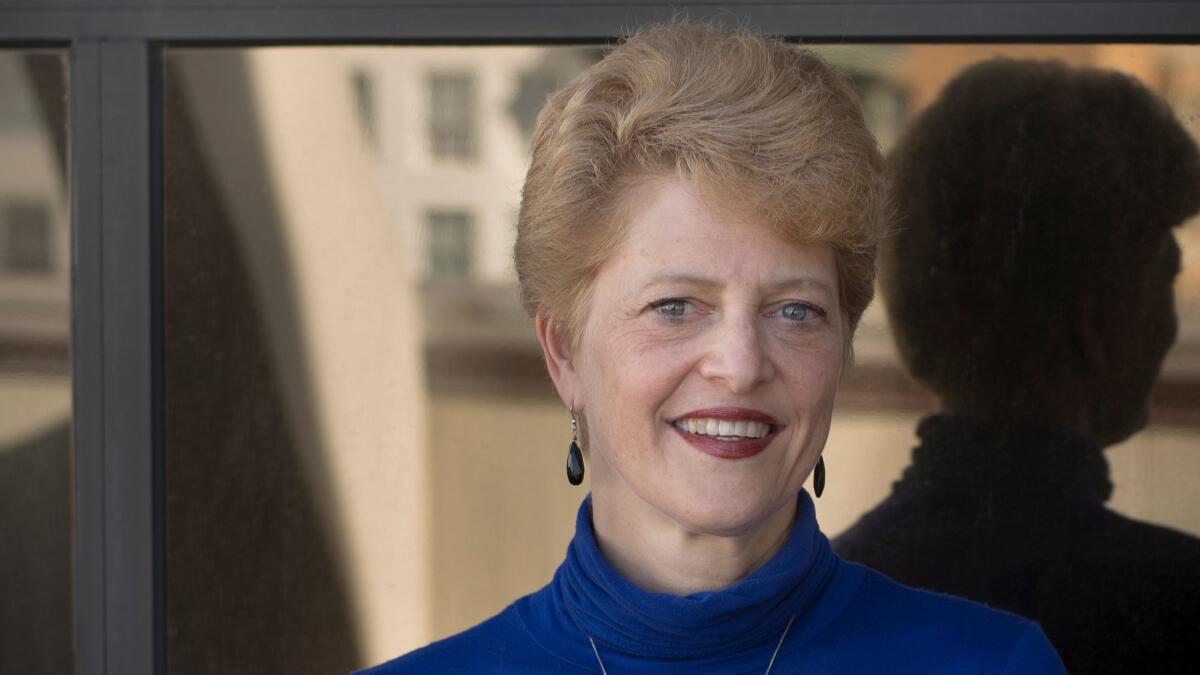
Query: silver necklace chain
{"points": [[770, 665]]}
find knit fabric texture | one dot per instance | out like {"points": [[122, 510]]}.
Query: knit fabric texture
{"points": [[848, 619]]}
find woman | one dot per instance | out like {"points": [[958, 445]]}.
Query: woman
{"points": [[696, 243]]}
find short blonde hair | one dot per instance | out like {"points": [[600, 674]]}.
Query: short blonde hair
{"points": [[754, 123]]}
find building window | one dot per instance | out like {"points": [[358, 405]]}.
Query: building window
{"points": [[25, 238], [449, 235], [452, 116]]}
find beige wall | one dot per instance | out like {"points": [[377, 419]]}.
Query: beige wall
{"points": [[503, 511]]}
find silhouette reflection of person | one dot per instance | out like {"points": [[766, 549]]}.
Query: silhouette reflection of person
{"points": [[1030, 287]]}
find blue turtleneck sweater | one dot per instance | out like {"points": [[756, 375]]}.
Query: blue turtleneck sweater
{"points": [[848, 619]]}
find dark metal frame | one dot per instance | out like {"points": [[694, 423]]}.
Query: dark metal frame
{"points": [[113, 151], [115, 80]]}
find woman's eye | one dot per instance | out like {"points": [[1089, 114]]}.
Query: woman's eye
{"points": [[796, 311], [672, 307]]}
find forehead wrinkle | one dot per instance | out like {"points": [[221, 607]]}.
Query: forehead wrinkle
{"points": [[687, 279], [680, 238], [795, 283], [802, 283]]}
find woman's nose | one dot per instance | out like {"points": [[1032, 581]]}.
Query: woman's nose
{"points": [[735, 355]]}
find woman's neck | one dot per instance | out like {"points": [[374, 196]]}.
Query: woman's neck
{"points": [[659, 555]]}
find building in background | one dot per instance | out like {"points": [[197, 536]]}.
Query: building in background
{"points": [[35, 373]]}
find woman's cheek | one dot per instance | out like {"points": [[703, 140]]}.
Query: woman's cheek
{"points": [[819, 338], [813, 375]]}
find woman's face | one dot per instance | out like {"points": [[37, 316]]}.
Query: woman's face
{"points": [[707, 365]]}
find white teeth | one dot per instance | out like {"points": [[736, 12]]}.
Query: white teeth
{"points": [[724, 428]]}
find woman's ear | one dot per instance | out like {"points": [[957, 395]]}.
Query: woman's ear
{"points": [[558, 362]]}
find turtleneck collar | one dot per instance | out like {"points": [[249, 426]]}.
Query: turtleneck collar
{"points": [[1032, 463], [623, 618]]}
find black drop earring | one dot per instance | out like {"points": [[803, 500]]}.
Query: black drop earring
{"points": [[819, 476], [574, 456]]}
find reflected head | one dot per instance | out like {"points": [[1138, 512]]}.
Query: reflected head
{"points": [[1033, 266], [758, 127]]}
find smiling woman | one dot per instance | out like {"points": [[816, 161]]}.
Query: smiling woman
{"points": [[728, 352], [696, 243]]}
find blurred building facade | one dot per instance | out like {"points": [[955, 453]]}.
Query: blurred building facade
{"points": [[35, 380]]}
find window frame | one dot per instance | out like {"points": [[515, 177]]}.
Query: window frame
{"points": [[115, 176]]}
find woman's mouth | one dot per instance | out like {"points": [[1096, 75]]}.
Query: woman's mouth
{"points": [[723, 429], [729, 433]]}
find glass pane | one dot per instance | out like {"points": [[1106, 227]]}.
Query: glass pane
{"points": [[35, 375], [1150, 470], [363, 450], [1061, 213]]}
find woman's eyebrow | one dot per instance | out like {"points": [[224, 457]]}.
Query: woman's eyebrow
{"points": [[681, 280], [796, 283]]}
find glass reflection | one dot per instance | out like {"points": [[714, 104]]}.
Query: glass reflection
{"points": [[363, 451], [35, 380], [1030, 288]]}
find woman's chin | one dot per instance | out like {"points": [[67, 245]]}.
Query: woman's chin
{"points": [[719, 515], [733, 500]]}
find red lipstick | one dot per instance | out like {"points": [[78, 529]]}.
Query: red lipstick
{"points": [[729, 449]]}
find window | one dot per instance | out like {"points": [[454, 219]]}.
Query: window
{"points": [[452, 116], [36, 415], [260, 551], [365, 361], [449, 236], [25, 239]]}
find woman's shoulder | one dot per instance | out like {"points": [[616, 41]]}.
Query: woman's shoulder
{"points": [[477, 649], [941, 629]]}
